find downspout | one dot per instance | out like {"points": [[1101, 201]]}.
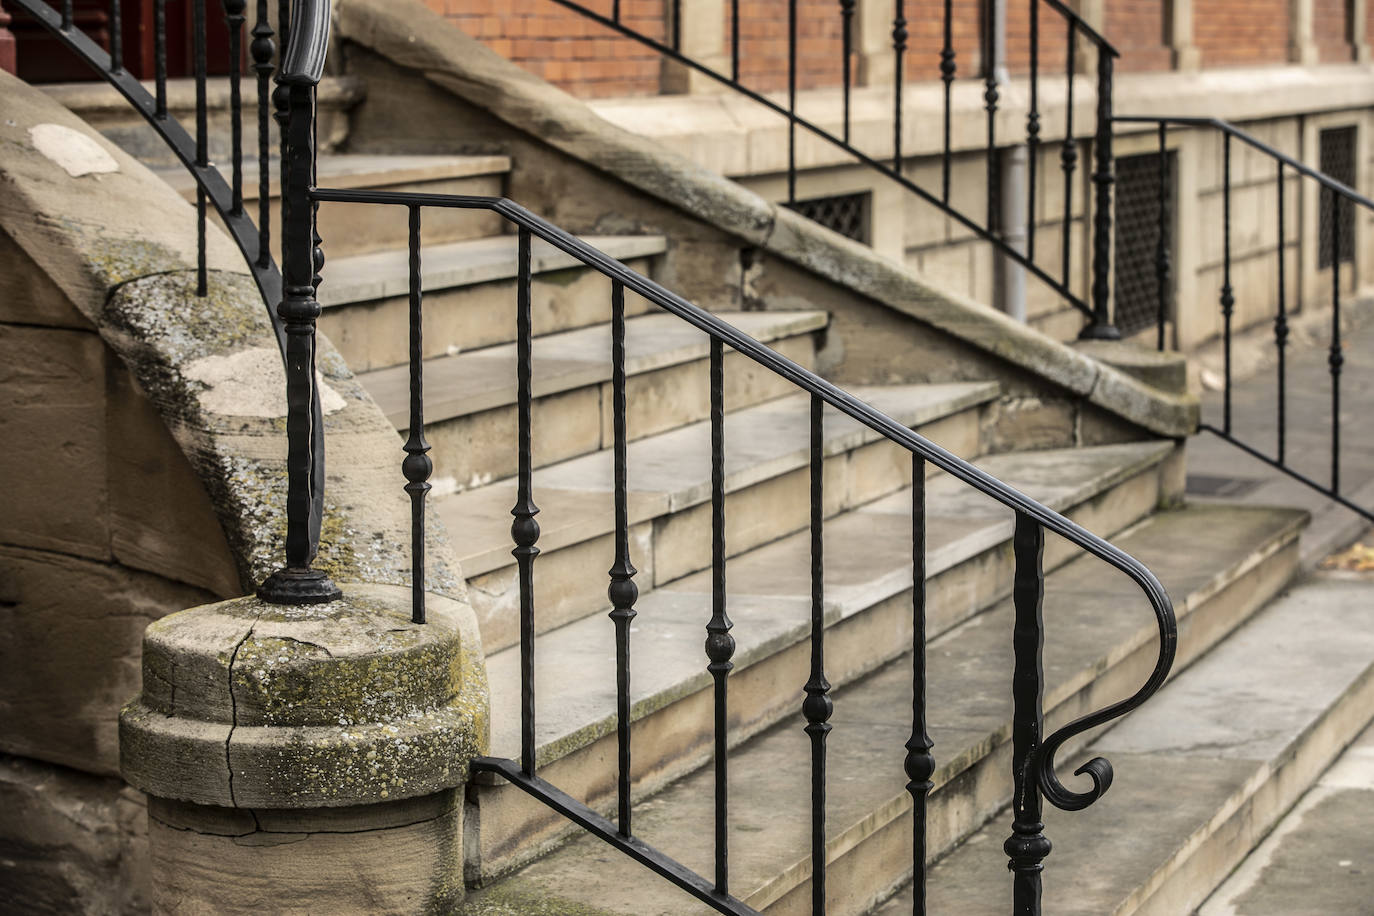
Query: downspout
{"points": [[1011, 288]]}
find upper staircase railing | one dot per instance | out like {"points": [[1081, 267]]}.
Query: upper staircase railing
{"points": [[985, 226], [1337, 200], [1034, 775]]}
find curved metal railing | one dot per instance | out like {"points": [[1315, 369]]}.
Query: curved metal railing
{"points": [[191, 149], [1096, 306], [1035, 775], [1035, 754], [1335, 200]]}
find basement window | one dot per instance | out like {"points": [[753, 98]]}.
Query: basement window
{"points": [[1337, 159], [847, 214], [1137, 238]]}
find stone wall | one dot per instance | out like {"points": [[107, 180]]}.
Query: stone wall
{"points": [[144, 475]]}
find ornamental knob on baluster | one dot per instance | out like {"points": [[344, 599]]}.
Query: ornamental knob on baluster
{"points": [[622, 592], [720, 647], [524, 530], [817, 707], [919, 764], [1027, 847]]}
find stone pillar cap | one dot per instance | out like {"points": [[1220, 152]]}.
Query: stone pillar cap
{"points": [[254, 705]]}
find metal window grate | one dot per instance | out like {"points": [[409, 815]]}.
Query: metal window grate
{"points": [[847, 214], [1137, 238], [1337, 159]]}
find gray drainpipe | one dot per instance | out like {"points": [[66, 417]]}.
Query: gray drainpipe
{"points": [[1011, 288]]}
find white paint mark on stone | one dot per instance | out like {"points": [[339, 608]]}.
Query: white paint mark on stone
{"points": [[251, 383], [75, 152]]}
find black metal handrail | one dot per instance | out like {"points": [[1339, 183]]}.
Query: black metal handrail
{"points": [[1036, 776], [1338, 193], [212, 189], [1098, 311]]}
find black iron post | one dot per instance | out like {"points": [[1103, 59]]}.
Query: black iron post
{"points": [[297, 582], [1101, 327]]}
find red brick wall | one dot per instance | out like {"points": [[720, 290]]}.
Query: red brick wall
{"points": [[1136, 29], [763, 43], [564, 47], [1232, 33], [1331, 29]]}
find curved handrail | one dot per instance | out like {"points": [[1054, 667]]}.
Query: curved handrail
{"points": [[1227, 127], [307, 42], [1099, 769], [241, 227]]}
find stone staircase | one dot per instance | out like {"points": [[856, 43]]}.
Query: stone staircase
{"points": [[1158, 843]]}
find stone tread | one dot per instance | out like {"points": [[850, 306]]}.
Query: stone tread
{"points": [[385, 274], [670, 471], [1195, 550], [868, 552], [355, 170], [1217, 736], [476, 380]]}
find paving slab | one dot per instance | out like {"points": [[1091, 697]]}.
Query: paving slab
{"points": [[1214, 464]]}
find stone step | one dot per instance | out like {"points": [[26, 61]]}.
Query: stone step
{"points": [[470, 293], [766, 479], [868, 593], [1205, 770], [470, 414], [1316, 859], [352, 229]]}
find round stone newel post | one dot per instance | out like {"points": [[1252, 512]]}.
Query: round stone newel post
{"points": [[307, 758]]}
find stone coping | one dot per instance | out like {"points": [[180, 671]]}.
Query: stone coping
{"points": [[413, 36]]}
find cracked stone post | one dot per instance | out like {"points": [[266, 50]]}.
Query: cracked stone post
{"points": [[307, 758]]}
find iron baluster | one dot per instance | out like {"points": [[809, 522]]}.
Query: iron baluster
{"points": [[202, 139], [948, 67], [1162, 239], [1068, 160], [263, 49], [615, 10], [1027, 846], [990, 98], [791, 101], [734, 41], [298, 583], [920, 763], [66, 15], [622, 591], [899, 37], [1033, 128], [417, 466], [846, 42], [525, 529], [817, 707], [160, 55], [1281, 328], [1336, 358], [1228, 299], [234, 19], [116, 36], [720, 645], [1101, 327]]}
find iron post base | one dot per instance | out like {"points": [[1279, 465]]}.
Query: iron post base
{"points": [[292, 585]]}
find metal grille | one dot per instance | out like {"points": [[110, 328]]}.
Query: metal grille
{"points": [[1137, 238], [847, 214], [1337, 155]]}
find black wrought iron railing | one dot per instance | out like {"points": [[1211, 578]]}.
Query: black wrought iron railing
{"points": [[1034, 775], [1337, 202], [306, 502], [894, 164]]}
